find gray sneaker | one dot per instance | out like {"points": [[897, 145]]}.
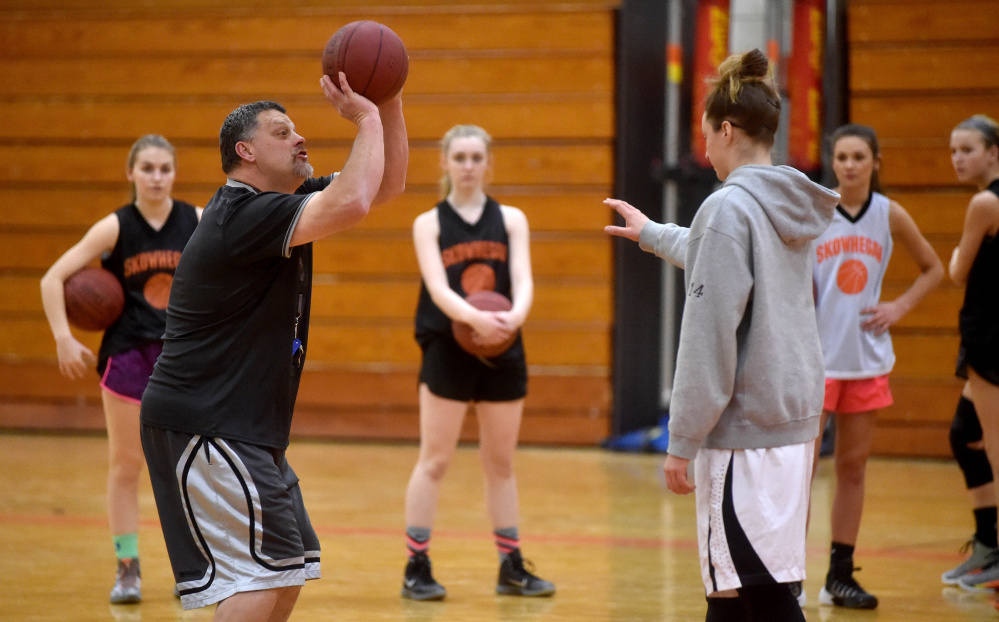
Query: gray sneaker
{"points": [[981, 557], [985, 581], [128, 585]]}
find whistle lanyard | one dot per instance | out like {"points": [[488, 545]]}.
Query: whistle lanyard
{"points": [[297, 347]]}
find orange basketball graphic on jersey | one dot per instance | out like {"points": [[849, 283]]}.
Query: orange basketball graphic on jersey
{"points": [[478, 277], [851, 276], [157, 290]]}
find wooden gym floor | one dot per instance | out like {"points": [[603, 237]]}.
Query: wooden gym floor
{"points": [[601, 525]]}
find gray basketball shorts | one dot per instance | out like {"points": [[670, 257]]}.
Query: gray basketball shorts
{"points": [[232, 515]]}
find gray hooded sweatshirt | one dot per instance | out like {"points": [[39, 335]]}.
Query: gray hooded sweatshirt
{"points": [[749, 370]]}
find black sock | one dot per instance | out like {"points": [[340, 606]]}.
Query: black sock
{"points": [[773, 603], [729, 610], [841, 560], [985, 525]]}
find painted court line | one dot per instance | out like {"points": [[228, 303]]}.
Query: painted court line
{"points": [[71, 520]]}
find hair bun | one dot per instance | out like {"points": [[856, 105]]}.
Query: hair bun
{"points": [[754, 65], [740, 69]]}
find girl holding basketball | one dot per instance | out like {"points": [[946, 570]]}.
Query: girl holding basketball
{"points": [[849, 266], [974, 148], [469, 243], [748, 386], [140, 244]]}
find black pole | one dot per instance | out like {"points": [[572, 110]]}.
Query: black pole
{"points": [[835, 79], [641, 62]]}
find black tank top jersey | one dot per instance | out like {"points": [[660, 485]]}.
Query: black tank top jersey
{"points": [[979, 319], [476, 257], [144, 261]]}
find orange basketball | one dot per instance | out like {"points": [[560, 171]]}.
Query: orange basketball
{"points": [[373, 57], [486, 300], [94, 299], [851, 276]]}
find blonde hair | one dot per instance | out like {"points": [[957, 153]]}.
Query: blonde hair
{"points": [[145, 142], [744, 95], [460, 131]]}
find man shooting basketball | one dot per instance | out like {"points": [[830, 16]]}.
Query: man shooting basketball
{"points": [[217, 413]]}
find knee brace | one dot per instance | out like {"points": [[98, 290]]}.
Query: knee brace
{"points": [[964, 429]]}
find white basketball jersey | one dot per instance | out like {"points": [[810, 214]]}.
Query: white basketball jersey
{"points": [[849, 265]]}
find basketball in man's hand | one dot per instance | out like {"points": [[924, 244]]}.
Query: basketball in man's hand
{"points": [[371, 55], [94, 299], [485, 300]]}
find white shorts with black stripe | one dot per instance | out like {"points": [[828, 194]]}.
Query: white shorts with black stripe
{"points": [[752, 512], [232, 515]]}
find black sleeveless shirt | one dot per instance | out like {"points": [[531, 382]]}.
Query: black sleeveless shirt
{"points": [[476, 258], [144, 260], [979, 318]]}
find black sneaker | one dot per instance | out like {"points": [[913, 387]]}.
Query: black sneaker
{"points": [[844, 591], [418, 583], [515, 580]]}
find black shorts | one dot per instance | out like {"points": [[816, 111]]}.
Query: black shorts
{"points": [[232, 515], [451, 373], [988, 371]]}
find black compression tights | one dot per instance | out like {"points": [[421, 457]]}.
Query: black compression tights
{"points": [[758, 603]]}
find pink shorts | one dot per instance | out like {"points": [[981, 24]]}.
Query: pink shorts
{"points": [[127, 374], [857, 396]]}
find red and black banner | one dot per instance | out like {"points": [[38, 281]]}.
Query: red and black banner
{"points": [[710, 49], [804, 85]]}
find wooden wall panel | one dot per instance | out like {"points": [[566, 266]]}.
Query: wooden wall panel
{"points": [[84, 78], [340, 298], [260, 78], [571, 256], [917, 68], [921, 68], [555, 209], [576, 116], [289, 34], [353, 253], [359, 9], [905, 21], [938, 211], [570, 164], [936, 311], [934, 116]]}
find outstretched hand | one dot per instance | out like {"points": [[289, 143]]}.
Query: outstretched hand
{"points": [[351, 106], [634, 220]]}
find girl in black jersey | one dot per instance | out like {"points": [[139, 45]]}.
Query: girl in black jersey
{"points": [[467, 243], [139, 243], [974, 147]]}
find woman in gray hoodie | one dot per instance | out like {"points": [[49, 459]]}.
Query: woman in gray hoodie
{"points": [[748, 389]]}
